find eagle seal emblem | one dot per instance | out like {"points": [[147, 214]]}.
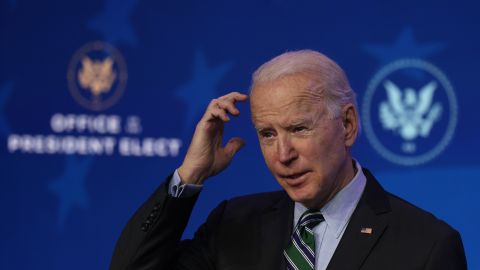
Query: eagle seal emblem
{"points": [[409, 112], [97, 76]]}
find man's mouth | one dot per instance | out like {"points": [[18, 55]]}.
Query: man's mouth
{"points": [[294, 179]]}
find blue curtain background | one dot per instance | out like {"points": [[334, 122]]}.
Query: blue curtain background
{"points": [[65, 210]]}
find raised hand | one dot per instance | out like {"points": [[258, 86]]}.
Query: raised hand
{"points": [[206, 156]]}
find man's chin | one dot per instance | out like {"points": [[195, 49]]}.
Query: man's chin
{"points": [[306, 200]]}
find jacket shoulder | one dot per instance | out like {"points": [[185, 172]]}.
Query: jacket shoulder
{"points": [[411, 217], [406, 218]]}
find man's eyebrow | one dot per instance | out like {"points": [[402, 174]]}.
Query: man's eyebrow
{"points": [[301, 121], [262, 128]]}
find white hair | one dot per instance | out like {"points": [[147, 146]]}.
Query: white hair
{"points": [[328, 79]]}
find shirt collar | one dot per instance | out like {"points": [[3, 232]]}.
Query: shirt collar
{"points": [[339, 209]]}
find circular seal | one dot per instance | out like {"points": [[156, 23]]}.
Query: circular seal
{"points": [[409, 112], [97, 76]]}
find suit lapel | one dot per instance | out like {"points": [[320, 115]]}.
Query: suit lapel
{"points": [[365, 228], [276, 227]]}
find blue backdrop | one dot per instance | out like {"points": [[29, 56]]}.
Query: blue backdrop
{"points": [[98, 101]]}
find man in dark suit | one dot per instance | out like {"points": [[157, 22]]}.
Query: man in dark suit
{"points": [[331, 214]]}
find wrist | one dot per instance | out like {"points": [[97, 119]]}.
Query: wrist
{"points": [[189, 176]]}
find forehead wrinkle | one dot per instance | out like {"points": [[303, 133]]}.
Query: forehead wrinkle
{"points": [[313, 92], [302, 100], [287, 116], [307, 99]]}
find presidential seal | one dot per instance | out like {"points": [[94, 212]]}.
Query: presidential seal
{"points": [[409, 112], [97, 76]]}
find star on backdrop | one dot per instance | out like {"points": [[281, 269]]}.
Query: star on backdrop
{"points": [[70, 187], [201, 88], [114, 22], [404, 46], [5, 91]]}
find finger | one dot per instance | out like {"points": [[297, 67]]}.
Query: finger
{"points": [[234, 97], [218, 112], [229, 106], [214, 111], [233, 145]]}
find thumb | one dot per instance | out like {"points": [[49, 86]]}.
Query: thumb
{"points": [[233, 145]]}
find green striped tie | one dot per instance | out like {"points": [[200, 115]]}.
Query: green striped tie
{"points": [[300, 253]]}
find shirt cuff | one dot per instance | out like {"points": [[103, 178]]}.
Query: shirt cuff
{"points": [[179, 190]]}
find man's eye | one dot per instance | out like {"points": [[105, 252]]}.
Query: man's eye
{"points": [[266, 134], [299, 129]]}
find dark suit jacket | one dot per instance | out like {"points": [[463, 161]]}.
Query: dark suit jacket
{"points": [[251, 232]]}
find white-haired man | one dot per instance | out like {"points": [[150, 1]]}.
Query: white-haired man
{"points": [[331, 214]]}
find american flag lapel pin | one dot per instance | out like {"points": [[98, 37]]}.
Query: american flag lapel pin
{"points": [[366, 230]]}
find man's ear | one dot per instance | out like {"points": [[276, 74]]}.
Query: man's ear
{"points": [[350, 124]]}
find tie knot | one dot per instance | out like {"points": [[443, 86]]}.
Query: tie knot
{"points": [[310, 219]]}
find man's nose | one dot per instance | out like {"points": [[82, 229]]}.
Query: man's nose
{"points": [[286, 151]]}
